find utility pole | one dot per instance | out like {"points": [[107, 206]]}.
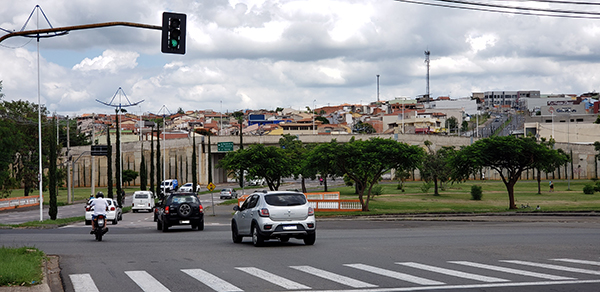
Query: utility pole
{"points": [[377, 88], [427, 53], [69, 160], [92, 157]]}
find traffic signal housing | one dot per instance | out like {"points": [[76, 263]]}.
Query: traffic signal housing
{"points": [[173, 33]]}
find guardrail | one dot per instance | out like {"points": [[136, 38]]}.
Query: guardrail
{"points": [[20, 202], [325, 201]]}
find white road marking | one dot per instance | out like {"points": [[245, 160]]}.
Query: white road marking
{"points": [[146, 281], [453, 272], [83, 283], [555, 267], [395, 275], [578, 261], [512, 271], [334, 277], [277, 280], [464, 287], [211, 280]]}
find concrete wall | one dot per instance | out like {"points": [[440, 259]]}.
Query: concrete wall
{"points": [[178, 155]]}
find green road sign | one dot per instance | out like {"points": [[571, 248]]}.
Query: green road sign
{"points": [[224, 146]]}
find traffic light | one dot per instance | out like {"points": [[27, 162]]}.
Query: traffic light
{"points": [[173, 33]]}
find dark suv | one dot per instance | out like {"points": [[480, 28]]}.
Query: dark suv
{"points": [[180, 209]]}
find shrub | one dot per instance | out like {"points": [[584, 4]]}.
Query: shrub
{"points": [[597, 187], [588, 189], [377, 190], [426, 186], [476, 193]]}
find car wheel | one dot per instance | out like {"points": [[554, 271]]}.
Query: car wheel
{"points": [[310, 239], [115, 221], [185, 210], [158, 225], [201, 225], [155, 217], [165, 227], [134, 211], [88, 222], [235, 235], [257, 238], [121, 216]]}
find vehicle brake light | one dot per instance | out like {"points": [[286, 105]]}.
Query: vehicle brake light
{"points": [[311, 211], [87, 208], [167, 210], [201, 209], [148, 204], [264, 212], [132, 204], [112, 208]]}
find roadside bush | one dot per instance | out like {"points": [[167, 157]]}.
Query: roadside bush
{"points": [[597, 187], [377, 190], [476, 193], [588, 189], [426, 186]]}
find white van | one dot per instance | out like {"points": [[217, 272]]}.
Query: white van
{"points": [[142, 200]]}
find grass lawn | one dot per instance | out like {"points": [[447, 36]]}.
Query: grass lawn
{"points": [[20, 266], [456, 198]]}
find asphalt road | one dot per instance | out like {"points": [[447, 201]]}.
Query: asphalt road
{"points": [[349, 255]]}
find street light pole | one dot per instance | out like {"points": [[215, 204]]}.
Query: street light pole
{"points": [[313, 116]]}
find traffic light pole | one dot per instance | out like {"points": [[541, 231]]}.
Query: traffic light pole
{"points": [[66, 29]]}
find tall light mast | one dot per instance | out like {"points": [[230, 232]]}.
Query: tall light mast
{"points": [[427, 53]]}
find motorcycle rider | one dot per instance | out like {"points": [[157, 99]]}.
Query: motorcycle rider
{"points": [[100, 208]]}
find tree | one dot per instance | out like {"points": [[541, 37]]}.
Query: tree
{"points": [[158, 164], [259, 160], [109, 180], [295, 150], [143, 173], [118, 164], [451, 124], [323, 120], [549, 163], [53, 189], [464, 126], [435, 165], [509, 156], [322, 160], [363, 128], [364, 161], [129, 175], [180, 111], [239, 116], [194, 165], [152, 159]]}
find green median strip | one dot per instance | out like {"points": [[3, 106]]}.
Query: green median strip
{"points": [[20, 266]]}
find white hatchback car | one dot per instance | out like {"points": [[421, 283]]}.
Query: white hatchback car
{"points": [[113, 214], [279, 214]]}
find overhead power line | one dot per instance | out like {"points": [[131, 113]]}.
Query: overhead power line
{"points": [[490, 6]]}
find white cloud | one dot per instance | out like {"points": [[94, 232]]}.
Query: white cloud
{"points": [[110, 61]]}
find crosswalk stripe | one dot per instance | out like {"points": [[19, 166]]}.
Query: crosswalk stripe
{"points": [[277, 280], [83, 283], [146, 281], [555, 267], [212, 281], [578, 261], [394, 274], [512, 271], [453, 272], [334, 277]]}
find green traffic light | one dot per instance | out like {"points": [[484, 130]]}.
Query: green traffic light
{"points": [[174, 43]]}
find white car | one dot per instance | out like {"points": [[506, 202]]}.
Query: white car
{"points": [[142, 200], [278, 214], [188, 188], [114, 213]]}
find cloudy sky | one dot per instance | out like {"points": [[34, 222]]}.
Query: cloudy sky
{"points": [[275, 53]]}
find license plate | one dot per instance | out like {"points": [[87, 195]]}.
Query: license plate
{"points": [[290, 227], [184, 221]]}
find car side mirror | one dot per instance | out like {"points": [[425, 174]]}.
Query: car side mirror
{"points": [[237, 208]]}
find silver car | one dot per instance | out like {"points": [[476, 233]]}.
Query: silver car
{"points": [[270, 215]]}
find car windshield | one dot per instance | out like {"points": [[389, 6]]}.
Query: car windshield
{"points": [[285, 199], [183, 199], [141, 196]]}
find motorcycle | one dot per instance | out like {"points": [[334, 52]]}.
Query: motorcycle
{"points": [[100, 224]]}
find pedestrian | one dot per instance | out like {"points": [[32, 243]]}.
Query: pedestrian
{"points": [[320, 181], [551, 186]]}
